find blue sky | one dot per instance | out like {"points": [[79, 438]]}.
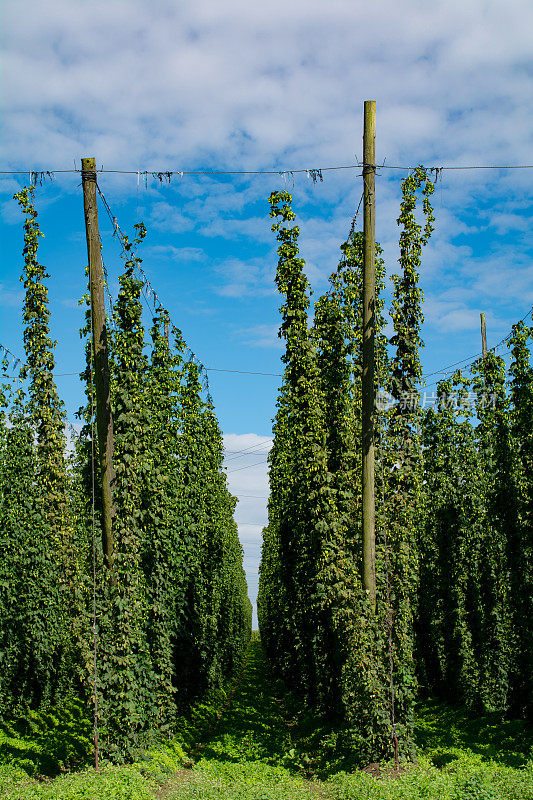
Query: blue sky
{"points": [[277, 86]]}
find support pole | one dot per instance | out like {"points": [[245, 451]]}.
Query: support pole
{"points": [[369, 331], [104, 416], [483, 336]]}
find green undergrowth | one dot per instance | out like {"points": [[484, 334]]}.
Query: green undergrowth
{"points": [[468, 778], [255, 742], [266, 723], [444, 732], [46, 743]]}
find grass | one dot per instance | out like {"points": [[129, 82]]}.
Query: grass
{"points": [[258, 744]]}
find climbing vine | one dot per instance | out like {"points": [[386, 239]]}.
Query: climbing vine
{"points": [[315, 620], [473, 627], [36, 576], [402, 459], [520, 543], [169, 620]]}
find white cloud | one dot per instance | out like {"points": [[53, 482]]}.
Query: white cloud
{"points": [[163, 84], [242, 278], [509, 222], [10, 297], [182, 254], [261, 336], [450, 315], [165, 217], [247, 470]]}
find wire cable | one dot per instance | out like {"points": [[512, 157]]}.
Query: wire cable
{"points": [[166, 174], [474, 358], [147, 286], [243, 453], [249, 466]]}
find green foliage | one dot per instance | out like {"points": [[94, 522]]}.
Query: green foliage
{"points": [[37, 583], [449, 619], [316, 622], [170, 615], [48, 743], [173, 616], [257, 741], [443, 732], [401, 453], [496, 487], [520, 542], [124, 669], [474, 628], [298, 472], [125, 783]]}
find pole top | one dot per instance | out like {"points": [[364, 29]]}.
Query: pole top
{"points": [[88, 169]]}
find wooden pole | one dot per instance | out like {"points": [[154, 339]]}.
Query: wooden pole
{"points": [[483, 336], [104, 416], [369, 329]]}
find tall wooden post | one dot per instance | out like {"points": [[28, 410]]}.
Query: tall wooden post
{"points": [[104, 416], [369, 330], [483, 336]]}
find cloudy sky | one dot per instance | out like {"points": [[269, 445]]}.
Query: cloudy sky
{"points": [[277, 86]]}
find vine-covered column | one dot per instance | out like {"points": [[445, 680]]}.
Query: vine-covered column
{"points": [[125, 672], [36, 534], [403, 489], [494, 447], [521, 540]]}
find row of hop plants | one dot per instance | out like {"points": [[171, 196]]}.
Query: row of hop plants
{"points": [[169, 621], [348, 657], [475, 624], [454, 508]]}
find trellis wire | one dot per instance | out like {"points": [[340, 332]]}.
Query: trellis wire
{"points": [[148, 289], [314, 174], [443, 371], [472, 359]]}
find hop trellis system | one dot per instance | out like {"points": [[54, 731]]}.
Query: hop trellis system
{"points": [[139, 607], [137, 603]]}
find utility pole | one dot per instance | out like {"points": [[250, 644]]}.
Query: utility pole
{"points": [[369, 331], [104, 416], [483, 336]]}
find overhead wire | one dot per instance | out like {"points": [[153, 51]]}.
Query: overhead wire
{"points": [[472, 359], [245, 372], [442, 371], [147, 287], [249, 466], [314, 173], [245, 450]]}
